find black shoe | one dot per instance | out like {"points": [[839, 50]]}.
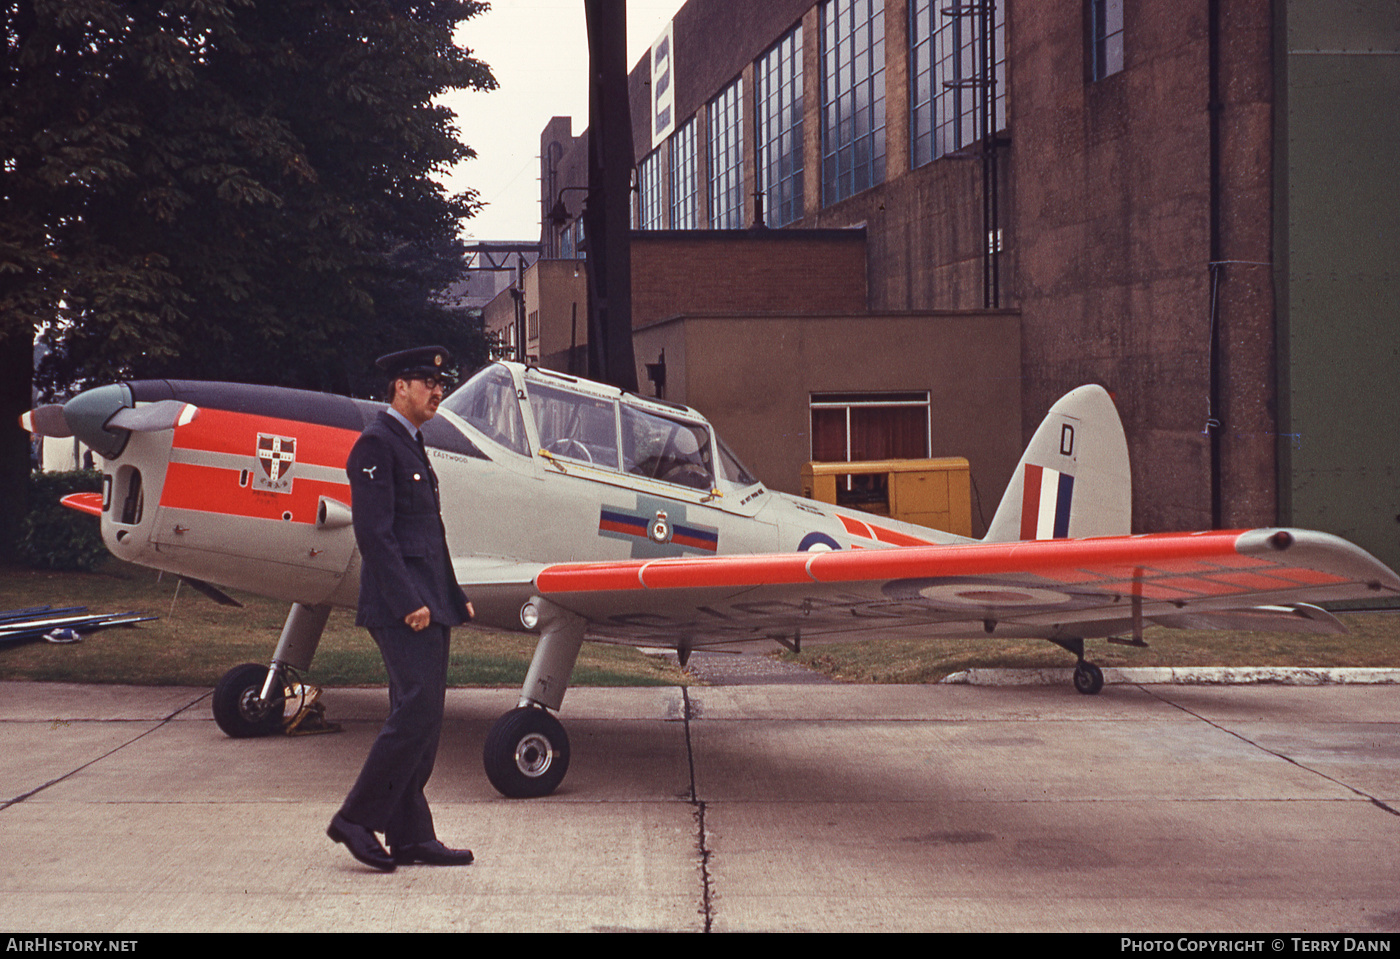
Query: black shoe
{"points": [[432, 853], [361, 842]]}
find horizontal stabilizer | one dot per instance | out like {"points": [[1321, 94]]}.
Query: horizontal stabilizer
{"points": [[90, 503]]}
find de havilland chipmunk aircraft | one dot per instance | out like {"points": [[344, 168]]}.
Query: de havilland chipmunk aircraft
{"points": [[574, 509]]}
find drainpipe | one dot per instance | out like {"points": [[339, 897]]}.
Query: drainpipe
{"points": [[1216, 266]]}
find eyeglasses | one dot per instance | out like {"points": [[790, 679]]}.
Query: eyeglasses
{"points": [[431, 382]]}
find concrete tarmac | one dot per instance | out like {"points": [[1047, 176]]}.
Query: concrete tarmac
{"points": [[739, 808]]}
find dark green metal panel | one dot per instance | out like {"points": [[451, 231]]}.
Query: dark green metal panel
{"points": [[1340, 312]]}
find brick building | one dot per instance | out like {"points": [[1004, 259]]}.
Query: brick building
{"points": [[1183, 200]]}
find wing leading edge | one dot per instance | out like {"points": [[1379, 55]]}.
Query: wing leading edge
{"points": [[1047, 589]]}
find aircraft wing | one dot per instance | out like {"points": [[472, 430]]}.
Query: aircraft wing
{"points": [[1051, 589]]}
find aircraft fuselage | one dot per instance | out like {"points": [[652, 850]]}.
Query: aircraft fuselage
{"points": [[252, 494]]}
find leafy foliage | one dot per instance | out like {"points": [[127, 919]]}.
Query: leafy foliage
{"points": [[55, 537], [230, 189], [224, 189]]}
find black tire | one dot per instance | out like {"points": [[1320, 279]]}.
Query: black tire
{"points": [[238, 708], [526, 754], [1088, 679]]}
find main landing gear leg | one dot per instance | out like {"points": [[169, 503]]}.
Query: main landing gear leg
{"points": [[527, 750], [1088, 678], [249, 700]]}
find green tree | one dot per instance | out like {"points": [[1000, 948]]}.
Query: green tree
{"points": [[225, 189]]}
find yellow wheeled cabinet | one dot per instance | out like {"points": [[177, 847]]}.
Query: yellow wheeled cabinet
{"points": [[932, 492]]}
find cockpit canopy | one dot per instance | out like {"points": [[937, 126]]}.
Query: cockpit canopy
{"points": [[592, 423]]}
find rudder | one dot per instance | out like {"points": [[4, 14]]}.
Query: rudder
{"points": [[1074, 479]]}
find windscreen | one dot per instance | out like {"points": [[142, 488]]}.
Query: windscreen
{"points": [[488, 401], [669, 450], [573, 425]]}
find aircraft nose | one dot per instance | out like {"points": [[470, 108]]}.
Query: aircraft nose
{"points": [[87, 415]]}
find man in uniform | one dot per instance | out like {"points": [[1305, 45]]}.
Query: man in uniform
{"points": [[409, 600]]}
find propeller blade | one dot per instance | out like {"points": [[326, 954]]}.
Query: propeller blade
{"points": [[46, 420]]}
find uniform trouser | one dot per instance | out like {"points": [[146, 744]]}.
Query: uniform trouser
{"points": [[388, 795]]}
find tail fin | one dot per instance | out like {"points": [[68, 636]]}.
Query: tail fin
{"points": [[1073, 479]]}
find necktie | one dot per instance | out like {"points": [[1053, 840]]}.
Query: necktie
{"points": [[423, 449]]}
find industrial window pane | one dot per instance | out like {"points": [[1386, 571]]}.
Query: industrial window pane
{"points": [[649, 185], [727, 158], [778, 99], [853, 106], [683, 204], [949, 76], [1107, 43]]}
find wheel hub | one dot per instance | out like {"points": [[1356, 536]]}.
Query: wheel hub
{"points": [[534, 755], [251, 705]]}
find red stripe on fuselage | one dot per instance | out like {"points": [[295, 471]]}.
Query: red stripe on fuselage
{"points": [[220, 431], [870, 531], [855, 527], [216, 490], [233, 490]]}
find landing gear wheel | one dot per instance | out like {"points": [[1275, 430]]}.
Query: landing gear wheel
{"points": [[527, 753], [238, 706], [1088, 678]]}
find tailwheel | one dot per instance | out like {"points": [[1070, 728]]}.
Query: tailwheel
{"points": [[1088, 678], [527, 753], [239, 709]]}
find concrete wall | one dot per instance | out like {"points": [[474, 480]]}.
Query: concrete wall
{"points": [[752, 271], [1123, 200], [557, 290], [1204, 233], [753, 376]]}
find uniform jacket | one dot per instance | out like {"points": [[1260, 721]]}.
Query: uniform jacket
{"points": [[404, 561]]}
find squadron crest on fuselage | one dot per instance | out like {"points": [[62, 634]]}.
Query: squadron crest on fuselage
{"points": [[277, 455]]}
